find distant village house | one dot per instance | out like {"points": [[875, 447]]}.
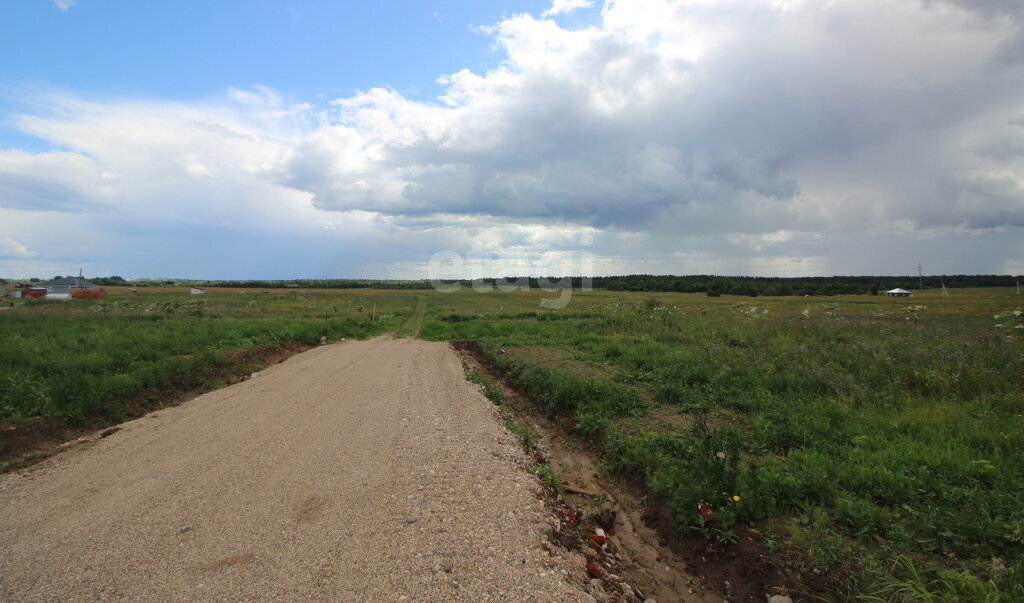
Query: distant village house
{"points": [[65, 288]]}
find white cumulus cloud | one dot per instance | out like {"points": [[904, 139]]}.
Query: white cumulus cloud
{"points": [[9, 247], [559, 7]]}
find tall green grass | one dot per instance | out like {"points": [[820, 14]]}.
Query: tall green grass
{"points": [[78, 361], [856, 431]]}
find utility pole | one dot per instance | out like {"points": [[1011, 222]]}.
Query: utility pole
{"points": [[920, 275]]}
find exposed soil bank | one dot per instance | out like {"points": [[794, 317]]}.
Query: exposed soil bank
{"points": [[671, 564]]}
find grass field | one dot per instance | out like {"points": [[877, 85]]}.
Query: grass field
{"points": [[864, 431], [79, 360], [881, 437]]}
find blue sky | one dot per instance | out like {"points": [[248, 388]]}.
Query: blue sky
{"points": [[268, 139], [193, 48]]}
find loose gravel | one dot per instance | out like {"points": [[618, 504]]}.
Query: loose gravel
{"points": [[359, 471]]}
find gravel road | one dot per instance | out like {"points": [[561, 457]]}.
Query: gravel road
{"points": [[359, 471]]}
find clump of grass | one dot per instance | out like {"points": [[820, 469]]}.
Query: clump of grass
{"points": [[520, 430], [547, 475], [490, 389], [906, 581], [593, 403]]}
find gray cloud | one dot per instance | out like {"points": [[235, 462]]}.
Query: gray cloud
{"points": [[986, 8], [54, 181], [628, 127], [1010, 51]]}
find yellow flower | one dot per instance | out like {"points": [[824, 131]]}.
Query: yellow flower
{"points": [[736, 498]]}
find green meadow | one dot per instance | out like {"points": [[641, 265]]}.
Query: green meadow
{"points": [[882, 438], [80, 360]]}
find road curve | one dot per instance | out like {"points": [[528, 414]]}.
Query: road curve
{"points": [[359, 471]]}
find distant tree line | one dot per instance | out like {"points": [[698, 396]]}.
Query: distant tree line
{"points": [[709, 284], [109, 281], [105, 281], [754, 286], [332, 283]]}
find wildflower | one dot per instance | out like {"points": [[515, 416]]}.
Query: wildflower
{"points": [[720, 455], [705, 511], [736, 499]]}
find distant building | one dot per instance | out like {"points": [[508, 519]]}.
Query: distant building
{"points": [[64, 285], [198, 291], [68, 287], [898, 293]]}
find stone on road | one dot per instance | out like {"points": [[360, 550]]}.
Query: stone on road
{"points": [[360, 471]]}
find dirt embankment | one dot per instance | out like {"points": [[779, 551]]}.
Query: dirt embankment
{"points": [[670, 564]]}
